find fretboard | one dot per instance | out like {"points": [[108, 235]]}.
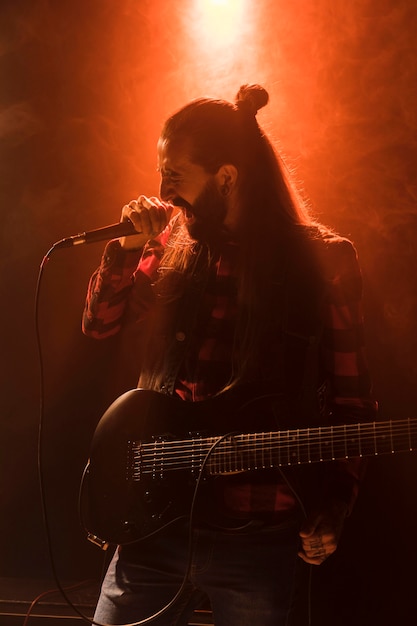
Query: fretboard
{"points": [[245, 452]]}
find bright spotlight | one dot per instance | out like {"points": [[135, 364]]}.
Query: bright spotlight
{"points": [[219, 22]]}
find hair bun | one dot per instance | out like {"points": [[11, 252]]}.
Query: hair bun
{"points": [[251, 98]]}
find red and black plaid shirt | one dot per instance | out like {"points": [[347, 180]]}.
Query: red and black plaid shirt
{"points": [[207, 366]]}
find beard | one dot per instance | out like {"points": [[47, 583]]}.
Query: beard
{"points": [[204, 219]]}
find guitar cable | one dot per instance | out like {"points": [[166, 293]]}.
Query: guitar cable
{"points": [[43, 503], [44, 509]]}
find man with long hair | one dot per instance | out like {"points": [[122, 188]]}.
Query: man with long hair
{"points": [[244, 296]]}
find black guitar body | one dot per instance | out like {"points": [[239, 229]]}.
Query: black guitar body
{"points": [[120, 505]]}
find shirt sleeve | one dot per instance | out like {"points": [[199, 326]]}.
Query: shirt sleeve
{"points": [[343, 346], [343, 351], [110, 287]]}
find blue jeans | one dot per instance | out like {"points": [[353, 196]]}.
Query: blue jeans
{"points": [[248, 577]]}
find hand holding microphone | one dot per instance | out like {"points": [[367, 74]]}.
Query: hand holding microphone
{"points": [[149, 217], [141, 219]]}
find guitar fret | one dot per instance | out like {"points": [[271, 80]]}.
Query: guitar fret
{"points": [[279, 451], [296, 454], [303, 447], [326, 449], [326, 445], [345, 441], [320, 452], [244, 462], [217, 459], [313, 451], [368, 440], [411, 446], [338, 442], [288, 459], [401, 434], [238, 442], [226, 458], [352, 441], [383, 442], [359, 440]]}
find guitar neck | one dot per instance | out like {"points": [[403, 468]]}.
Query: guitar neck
{"points": [[313, 445], [244, 452]]}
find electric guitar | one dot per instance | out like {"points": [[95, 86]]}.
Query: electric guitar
{"points": [[141, 476]]}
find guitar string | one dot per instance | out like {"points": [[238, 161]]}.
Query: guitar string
{"points": [[339, 448], [179, 452], [250, 441], [300, 450], [309, 433], [300, 437]]}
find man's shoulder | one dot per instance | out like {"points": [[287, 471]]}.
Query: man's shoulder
{"points": [[332, 247]]}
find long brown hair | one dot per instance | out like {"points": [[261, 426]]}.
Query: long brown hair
{"points": [[275, 224]]}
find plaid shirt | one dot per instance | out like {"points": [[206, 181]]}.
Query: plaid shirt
{"points": [[207, 366]]}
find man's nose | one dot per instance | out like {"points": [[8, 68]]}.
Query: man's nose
{"points": [[166, 190]]}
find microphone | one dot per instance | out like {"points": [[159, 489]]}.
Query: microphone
{"points": [[121, 229]]}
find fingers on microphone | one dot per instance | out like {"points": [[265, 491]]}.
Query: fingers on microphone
{"points": [[130, 212], [158, 213], [149, 215]]}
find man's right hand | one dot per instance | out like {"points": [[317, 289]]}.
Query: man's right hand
{"points": [[149, 216]]}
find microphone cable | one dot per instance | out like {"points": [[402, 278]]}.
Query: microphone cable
{"points": [[44, 508]]}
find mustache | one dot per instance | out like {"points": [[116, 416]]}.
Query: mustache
{"points": [[180, 202]]}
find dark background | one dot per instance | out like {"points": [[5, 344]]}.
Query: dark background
{"points": [[85, 87]]}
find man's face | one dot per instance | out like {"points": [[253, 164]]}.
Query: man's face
{"points": [[195, 191]]}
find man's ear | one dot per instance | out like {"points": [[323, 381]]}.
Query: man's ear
{"points": [[226, 178]]}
